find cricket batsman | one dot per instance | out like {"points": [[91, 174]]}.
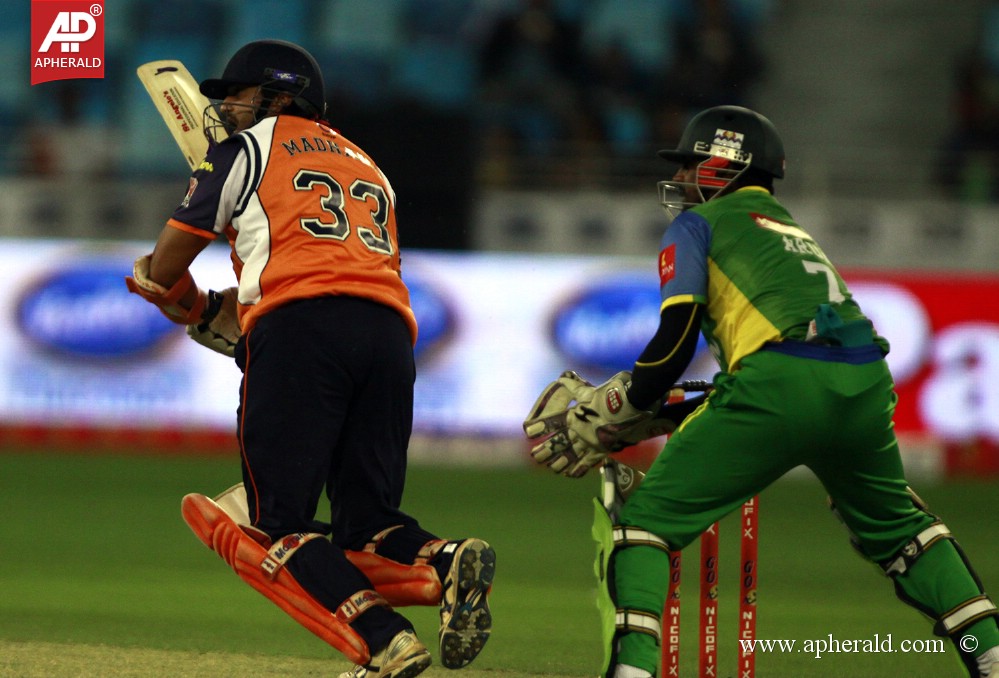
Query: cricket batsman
{"points": [[803, 382], [321, 326]]}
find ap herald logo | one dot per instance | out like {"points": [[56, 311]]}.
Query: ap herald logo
{"points": [[67, 39]]}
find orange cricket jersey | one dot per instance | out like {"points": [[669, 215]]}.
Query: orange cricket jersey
{"points": [[307, 214]]}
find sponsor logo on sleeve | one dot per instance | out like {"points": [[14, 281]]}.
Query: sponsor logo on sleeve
{"points": [[667, 264]]}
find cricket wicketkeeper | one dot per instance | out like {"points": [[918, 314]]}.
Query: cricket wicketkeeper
{"points": [[803, 382]]}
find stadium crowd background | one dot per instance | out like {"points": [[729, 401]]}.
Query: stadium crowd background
{"points": [[541, 78], [893, 100]]}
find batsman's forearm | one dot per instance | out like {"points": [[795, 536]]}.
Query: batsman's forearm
{"points": [[171, 259]]}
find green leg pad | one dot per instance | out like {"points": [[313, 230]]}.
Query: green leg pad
{"points": [[603, 536], [939, 581], [631, 578]]}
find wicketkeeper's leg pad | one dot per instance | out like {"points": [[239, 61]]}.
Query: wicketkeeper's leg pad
{"points": [[262, 568], [640, 629], [931, 573]]}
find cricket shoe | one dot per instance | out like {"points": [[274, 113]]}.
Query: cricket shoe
{"points": [[404, 657], [988, 663], [465, 618]]}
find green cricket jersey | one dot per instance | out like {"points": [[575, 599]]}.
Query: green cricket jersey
{"points": [[760, 275]]}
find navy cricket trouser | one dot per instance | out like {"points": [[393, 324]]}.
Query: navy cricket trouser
{"points": [[326, 401]]}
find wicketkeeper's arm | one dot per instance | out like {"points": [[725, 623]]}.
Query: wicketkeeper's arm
{"points": [[678, 411], [667, 354]]}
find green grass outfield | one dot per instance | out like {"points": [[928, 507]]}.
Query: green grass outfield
{"points": [[99, 576]]}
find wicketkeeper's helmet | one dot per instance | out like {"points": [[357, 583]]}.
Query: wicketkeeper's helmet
{"points": [[724, 142], [732, 133], [277, 66]]}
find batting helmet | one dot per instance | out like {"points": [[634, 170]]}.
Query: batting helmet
{"points": [[731, 133], [274, 65]]}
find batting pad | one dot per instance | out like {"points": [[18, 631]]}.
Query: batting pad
{"points": [[400, 584], [255, 565]]}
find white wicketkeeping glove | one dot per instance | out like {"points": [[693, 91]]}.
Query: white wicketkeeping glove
{"points": [[572, 440], [547, 423], [221, 331], [551, 410], [596, 426]]}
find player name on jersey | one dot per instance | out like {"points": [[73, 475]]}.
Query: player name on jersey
{"points": [[320, 145]]}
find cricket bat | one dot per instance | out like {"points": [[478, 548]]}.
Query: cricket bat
{"points": [[176, 96]]}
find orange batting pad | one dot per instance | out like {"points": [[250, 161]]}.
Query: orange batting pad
{"points": [[400, 584], [247, 557]]}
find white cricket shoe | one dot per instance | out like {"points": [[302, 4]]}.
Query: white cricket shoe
{"points": [[404, 657], [465, 618], [988, 663], [626, 671]]}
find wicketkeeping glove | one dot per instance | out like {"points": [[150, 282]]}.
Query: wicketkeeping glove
{"points": [[219, 327], [574, 439], [597, 426], [551, 410], [547, 423]]}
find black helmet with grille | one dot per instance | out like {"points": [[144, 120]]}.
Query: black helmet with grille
{"points": [[275, 65], [731, 133]]}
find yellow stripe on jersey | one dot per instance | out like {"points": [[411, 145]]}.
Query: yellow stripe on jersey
{"points": [[740, 328], [682, 299]]}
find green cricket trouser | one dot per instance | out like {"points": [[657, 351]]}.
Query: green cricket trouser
{"points": [[777, 412]]}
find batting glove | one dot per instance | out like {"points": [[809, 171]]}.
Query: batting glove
{"points": [[219, 327]]}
